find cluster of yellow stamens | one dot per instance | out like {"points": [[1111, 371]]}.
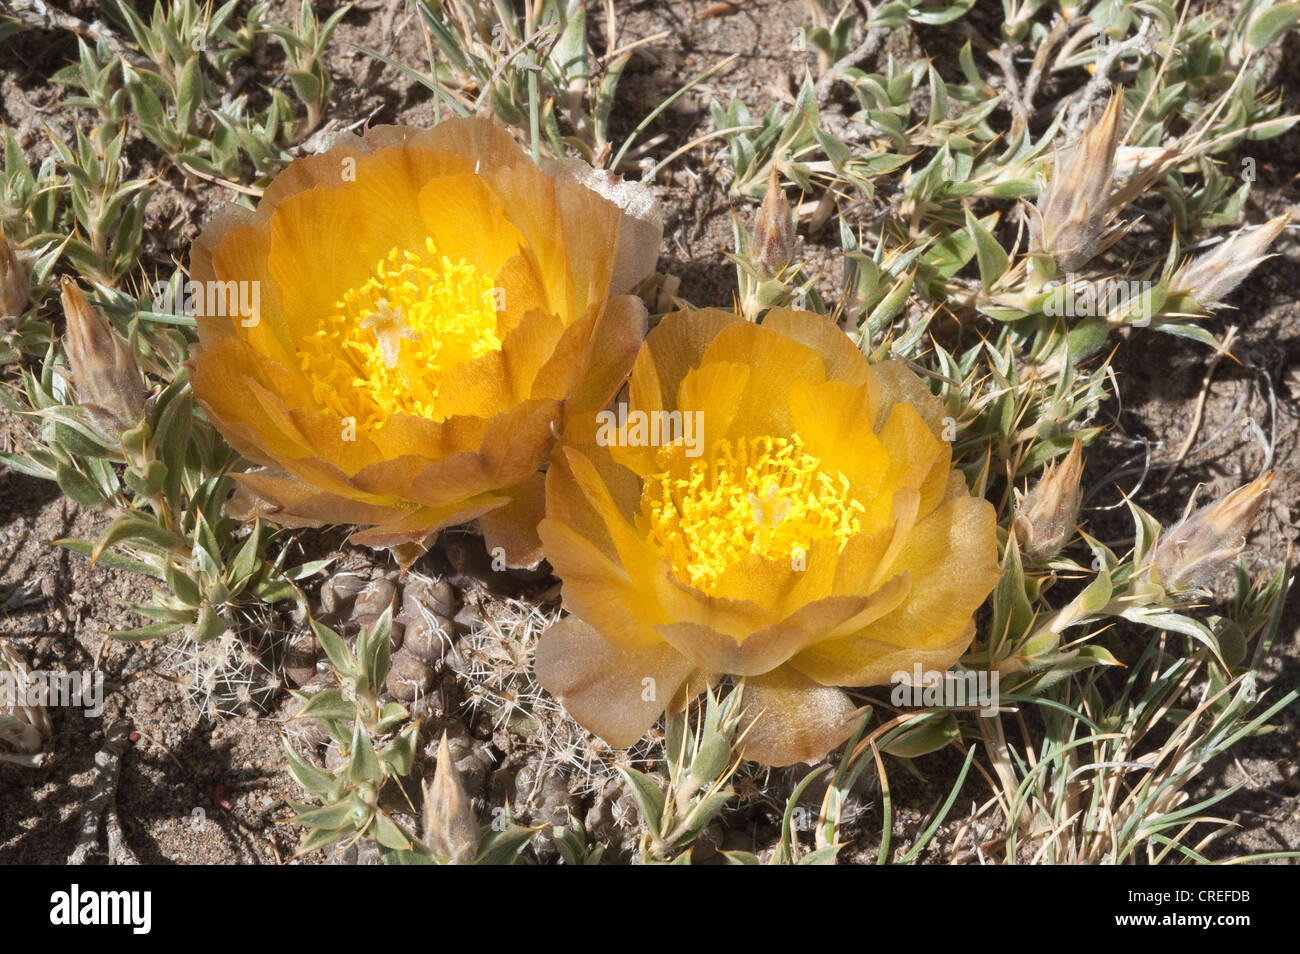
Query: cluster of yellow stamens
{"points": [[393, 338], [761, 495]]}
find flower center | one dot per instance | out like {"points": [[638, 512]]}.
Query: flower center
{"points": [[761, 495], [393, 338]]}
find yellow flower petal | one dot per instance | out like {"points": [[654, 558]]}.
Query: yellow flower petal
{"points": [[598, 590], [614, 692], [609, 352], [763, 650], [918, 460], [792, 719], [511, 529], [841, 442], [784, 362], [869, 662], [951, 559], [671, 351], [466, 220], [843, 360]]}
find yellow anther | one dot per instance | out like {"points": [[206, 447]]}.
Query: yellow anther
{"points": [[392, 339], [763, 495]]}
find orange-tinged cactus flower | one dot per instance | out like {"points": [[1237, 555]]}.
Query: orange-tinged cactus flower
{"points": [[1073, 206], [768, 506], [400, 327]]}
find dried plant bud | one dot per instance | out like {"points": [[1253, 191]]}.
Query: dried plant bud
{"points": [[15, 283], [1193, 552], [1045, 516], [25, 730], [1072, 210], [774, 230], [104, 373], [450, 828], [1211, 277]]}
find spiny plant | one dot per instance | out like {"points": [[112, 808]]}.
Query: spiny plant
{"points": [[236, 673], [1110, 781], [357, 720], [1192, 94], [180, 78], [25, 727], [536, 70], [494, 658], [378, 744], [700, 756]]}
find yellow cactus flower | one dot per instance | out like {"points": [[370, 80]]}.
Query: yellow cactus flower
{"points": [[398, 329], [766, 505]]}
